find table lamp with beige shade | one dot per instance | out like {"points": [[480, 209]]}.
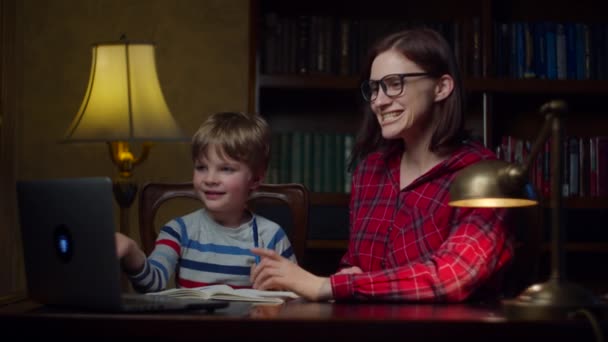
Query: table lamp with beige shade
{"points": [[123, 105]]}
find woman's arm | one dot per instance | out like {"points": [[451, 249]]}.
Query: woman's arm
{"points": [[477, 247]]}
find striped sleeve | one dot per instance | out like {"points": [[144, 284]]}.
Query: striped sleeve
{"points": [[275, 238], [161, 263], [280, 243]]}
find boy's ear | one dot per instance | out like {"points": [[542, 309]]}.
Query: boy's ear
{"points": [[257, 180]]}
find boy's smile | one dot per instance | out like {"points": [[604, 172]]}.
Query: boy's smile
{"points": [[213, 195]]}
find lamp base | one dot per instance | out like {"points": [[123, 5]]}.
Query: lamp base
{"points": [[125, 191], [552, 300]]}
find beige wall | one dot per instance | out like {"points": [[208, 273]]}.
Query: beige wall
{"points": [[202, 60]]}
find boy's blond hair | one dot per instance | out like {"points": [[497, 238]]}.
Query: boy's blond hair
{"points": [[241, 136]]}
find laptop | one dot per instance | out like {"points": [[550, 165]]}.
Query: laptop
{"points": [[67, 228]]}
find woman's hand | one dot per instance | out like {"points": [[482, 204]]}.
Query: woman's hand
{"points": [[350, 270], [275, 272]]}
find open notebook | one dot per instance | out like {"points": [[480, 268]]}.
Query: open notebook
{"points": [[67, 228], [227, 293]]}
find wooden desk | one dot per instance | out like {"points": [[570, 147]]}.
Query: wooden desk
{"points": [[297, 321]]}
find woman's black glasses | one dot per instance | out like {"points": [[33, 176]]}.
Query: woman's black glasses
{"points": [[392, 85]]}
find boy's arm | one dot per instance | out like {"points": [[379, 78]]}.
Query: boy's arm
{"points": [[130, 255]]}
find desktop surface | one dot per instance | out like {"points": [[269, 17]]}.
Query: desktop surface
{"points": [[300, 320]]}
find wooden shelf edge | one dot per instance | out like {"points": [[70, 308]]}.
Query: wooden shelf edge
{"points": [[600, 247], [597, 247], [536, 86], [493, 85], [343, 199], [309, 81], [581, 203]]}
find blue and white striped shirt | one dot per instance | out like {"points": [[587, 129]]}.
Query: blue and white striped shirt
{"points": [[202, 252]]}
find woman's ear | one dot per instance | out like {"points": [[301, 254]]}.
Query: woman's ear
{"points": [[444, 87]]}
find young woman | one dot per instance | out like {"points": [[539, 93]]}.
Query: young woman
{"points": [[406, 243]]}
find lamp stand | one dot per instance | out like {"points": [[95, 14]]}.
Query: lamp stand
{"points": [[555, 298], [125, 189]]}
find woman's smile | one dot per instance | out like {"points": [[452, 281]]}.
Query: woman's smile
{"points": [[389, 117]]}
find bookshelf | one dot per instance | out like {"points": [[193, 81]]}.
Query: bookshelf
{"points": [[504, 89]]}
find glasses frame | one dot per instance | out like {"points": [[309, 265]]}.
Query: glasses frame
{"points": [[380, 82]]}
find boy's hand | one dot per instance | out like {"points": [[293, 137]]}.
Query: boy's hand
{"points": [[131, 256], [123, 244], [276, 272]]}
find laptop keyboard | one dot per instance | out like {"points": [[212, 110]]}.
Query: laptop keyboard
{"points": [[142, 303]]}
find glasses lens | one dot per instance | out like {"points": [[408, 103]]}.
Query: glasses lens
{"points": [[393, 85], [369, 90]]}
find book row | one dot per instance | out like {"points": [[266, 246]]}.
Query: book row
{"points": [[310, 44], [317, 160], [551, 50], [584, 164]]}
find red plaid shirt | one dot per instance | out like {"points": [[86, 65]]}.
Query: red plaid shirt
{"points": [[410, 244]]}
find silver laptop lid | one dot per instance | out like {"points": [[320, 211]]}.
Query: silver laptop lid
{"points": [[68, 241]]}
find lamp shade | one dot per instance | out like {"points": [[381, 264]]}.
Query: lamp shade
{"points": [[124, 100], [491, 184]]}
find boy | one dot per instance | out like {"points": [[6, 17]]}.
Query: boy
{"points": [[212, 245]]}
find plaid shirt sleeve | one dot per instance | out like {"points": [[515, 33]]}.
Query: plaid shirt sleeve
{"points": [[421, 250], [476, 247]]}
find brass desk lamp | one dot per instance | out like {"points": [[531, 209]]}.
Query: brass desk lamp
{"points": [[496, 183], [123, 104]]}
